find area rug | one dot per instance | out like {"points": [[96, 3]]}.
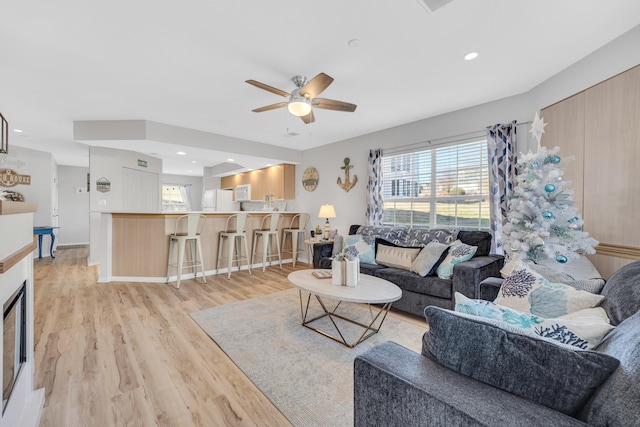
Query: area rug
{"points": [[306, 375]]}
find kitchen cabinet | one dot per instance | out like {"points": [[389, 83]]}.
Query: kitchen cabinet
{"points": [[275, 181]]}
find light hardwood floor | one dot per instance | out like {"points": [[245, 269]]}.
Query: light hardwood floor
{"points": [[128, 354]]}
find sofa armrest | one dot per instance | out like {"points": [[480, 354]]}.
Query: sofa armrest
{"points": [[467, 275], [321, 250], [489, 288], [394, 386]]}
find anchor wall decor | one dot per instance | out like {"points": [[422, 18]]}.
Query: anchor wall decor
{"points": [[348, 184]]}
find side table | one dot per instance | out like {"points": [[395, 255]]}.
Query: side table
{"points": [[40, 231], [309, 243]]}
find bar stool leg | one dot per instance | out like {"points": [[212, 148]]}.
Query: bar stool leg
{"points": [[220, 245], [265, 251], [204, 278], [246, 249], [254, 246], [278, 249], [171, 244], [230, 249], [294, 246], [181, 245]]}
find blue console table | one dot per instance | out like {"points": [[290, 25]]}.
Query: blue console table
{"points": [[41, 231]]}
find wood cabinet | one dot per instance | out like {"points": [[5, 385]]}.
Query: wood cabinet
{"points": [[600, 127], [278, 181]]}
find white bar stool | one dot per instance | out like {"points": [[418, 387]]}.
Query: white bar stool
{"points": [[295, 234], [234, 234], [269, 228], [195, 225]]}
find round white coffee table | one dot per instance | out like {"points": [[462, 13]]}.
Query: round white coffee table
{"points": [[369, 290]]}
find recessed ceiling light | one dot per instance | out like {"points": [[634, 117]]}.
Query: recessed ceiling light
{"points": [[17, 130], [354, 43], [181, 153], [471, 55], [230, 160], [193, 161], [269, 164]]}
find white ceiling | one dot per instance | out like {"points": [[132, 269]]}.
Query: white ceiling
{"points": [[185, 64]]}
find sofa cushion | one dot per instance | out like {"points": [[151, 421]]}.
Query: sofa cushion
{"points": [[421, 236], [526, 290], [429, 258], [547, 372], [622, 293], [361, 247], [458, 252], [396, 256], [371, 269], [408, 281], [480, 239], [583, 329], [617, 402]]}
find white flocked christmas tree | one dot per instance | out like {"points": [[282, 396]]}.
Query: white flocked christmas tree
{"points": [[542, 219]]}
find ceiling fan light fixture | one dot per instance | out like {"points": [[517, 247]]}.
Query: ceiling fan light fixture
{"points": [[299, 106]]}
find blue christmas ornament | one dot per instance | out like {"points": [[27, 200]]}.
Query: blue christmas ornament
{"points": [[555, 159], [534, 165], [561, 259], [574, 219], [547, 215], [549, 188]]}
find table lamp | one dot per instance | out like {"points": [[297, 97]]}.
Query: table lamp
{"points": [[327, 211]]}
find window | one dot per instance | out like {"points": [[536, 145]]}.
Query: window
{"points": [[439, 187], [175, 198]]}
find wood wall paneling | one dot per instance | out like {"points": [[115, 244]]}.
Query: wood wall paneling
{"points": [[601, 126], [565, 129]]}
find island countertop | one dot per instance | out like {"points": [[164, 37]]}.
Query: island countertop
{"points": [[134, 246]]}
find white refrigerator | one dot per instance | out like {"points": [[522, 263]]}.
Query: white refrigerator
{"points": [[217, 201]]}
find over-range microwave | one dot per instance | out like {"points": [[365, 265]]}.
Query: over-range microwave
{"points": [[243, 192]]}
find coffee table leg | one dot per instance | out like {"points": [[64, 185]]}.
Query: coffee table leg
{"points": [[369, 329]]}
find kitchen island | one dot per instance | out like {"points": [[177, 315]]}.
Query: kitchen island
{"points": [[134, 247]]}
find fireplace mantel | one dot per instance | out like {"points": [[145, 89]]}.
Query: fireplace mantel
{"points": [[16, 267]]}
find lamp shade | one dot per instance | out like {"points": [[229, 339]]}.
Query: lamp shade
{"points": [[327, 211]]}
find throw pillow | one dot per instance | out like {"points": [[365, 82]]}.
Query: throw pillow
{"points": [[420, 237], [396, 256], [552, 374], [397, 235], [360, 246], [458, 252], [583, 329], [526, 290], [428, 259], [552, 274]]}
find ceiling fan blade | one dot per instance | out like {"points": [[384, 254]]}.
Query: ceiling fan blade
{"points": [[316, 85], [270, 107], [269, 88], [309, 118], [332, 104]]}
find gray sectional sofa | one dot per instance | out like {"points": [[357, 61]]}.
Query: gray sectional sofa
{"points": [[419, 292], [394, 386]]}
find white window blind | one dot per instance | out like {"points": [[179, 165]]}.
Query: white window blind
{"points": [[447, 186]]}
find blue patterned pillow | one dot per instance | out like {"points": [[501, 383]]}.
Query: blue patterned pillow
{"points": [[360, 246], [583, 329], [396, 235], [525, 290], [458, 252], [420, 237]]}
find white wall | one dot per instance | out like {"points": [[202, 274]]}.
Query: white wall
{"points": [[194, 185], [109, 163], [616, 57], [41, 167], [73, 205]]}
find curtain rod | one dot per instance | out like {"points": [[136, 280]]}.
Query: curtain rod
{"points": [[452, 137]]}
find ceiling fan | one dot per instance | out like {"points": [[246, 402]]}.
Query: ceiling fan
{"points": [[303, 97]]}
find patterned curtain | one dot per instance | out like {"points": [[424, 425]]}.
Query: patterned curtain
{"points": [[501, 144], [374, 188]]}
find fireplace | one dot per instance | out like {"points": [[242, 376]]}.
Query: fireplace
{"points": [[14, 348]]}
